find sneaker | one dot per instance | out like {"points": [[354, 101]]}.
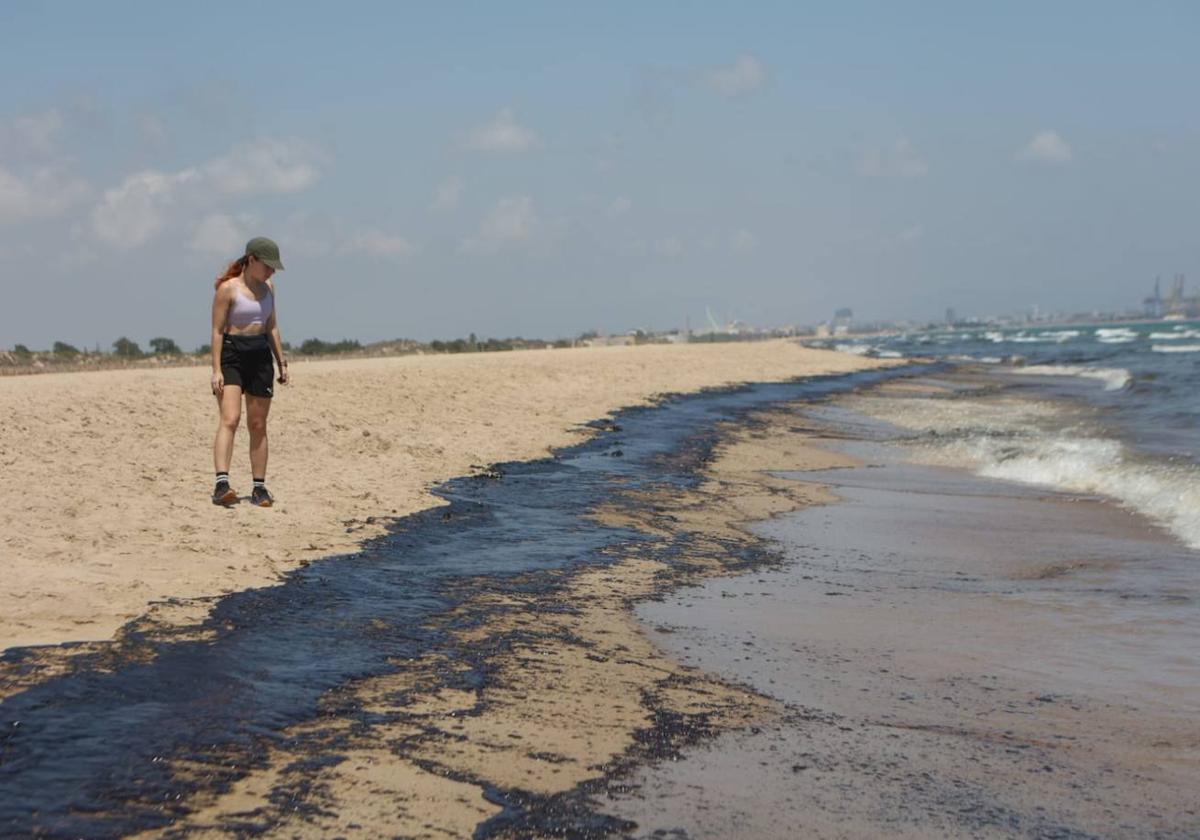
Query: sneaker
{"points": [[261, 497], [223, 494]]}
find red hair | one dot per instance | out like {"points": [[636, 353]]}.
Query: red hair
{"points": [[234, 269]]}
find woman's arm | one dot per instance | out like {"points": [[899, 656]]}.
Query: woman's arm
{"points": [[274, 339], [220, 312]]}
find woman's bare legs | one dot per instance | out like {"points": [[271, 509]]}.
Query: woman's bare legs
{"points": [[257, 409], [229, 404]]}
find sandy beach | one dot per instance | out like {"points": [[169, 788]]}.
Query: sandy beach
{"points": [[574, 688], [107, 474], [732, 615]]}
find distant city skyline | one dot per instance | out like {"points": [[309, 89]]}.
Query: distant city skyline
{"points": [[543, 169]]}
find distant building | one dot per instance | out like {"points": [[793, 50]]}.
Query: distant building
{"points": [[951, 316], [608, 341]]}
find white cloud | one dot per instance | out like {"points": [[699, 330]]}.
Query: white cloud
{"points": [[447, 194], [266, 165], [222, 233], [379, 244], [619, 206], [48, 191], [743, 241], [502, 135], [136, 210], [511, 220], [671, 247], [31, 134], [899, 161], [1046, 146], [746, 75], [130, 214]]}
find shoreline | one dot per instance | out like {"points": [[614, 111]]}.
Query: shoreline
{"points": [[546, 645], [959, 657], [577, 694], [549, 703], [107, 472]]}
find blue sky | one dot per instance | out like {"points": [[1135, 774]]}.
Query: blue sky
{"points": [[546, 168]]}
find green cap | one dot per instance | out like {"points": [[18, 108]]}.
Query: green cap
{"points": [[264, 250]]}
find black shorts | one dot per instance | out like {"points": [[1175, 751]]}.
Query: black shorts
{"points": [[246, 361]]}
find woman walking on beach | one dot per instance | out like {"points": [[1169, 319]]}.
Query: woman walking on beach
{"points": [[245, 336]]}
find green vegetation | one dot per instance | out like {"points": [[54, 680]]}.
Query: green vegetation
{"points": [[161, 348], [491, 345], [164, 347], [317, 347], [124, 348]]}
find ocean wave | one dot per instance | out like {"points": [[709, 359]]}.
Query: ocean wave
{"points": [[1179, 333], [1115, 332], [1023, 337], [856, 349], [984, 360], [868, 350], [1175, 348], [1039, 444], [1167, 494], [1114, 379]]}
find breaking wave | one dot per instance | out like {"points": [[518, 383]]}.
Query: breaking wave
{"points": [[1114, 379], [1042, 444]]}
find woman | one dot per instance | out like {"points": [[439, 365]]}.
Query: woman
{"points": [[245, 335]]}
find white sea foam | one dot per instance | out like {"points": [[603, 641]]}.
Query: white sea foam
{"points": [[1114, 379], [1167, 494], [856, 349], [985, 360], [1038, 443], [1115, 332], [1175, 348], [1177, 334], [1047, 337]]}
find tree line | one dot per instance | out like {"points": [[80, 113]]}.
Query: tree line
{"points": [[125, 348]]}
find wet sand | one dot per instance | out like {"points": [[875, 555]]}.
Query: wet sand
{"points": [[105, 510], [957, 657]]}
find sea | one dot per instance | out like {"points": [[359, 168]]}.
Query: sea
{"points": [[1112, 410], [995, 630]]}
